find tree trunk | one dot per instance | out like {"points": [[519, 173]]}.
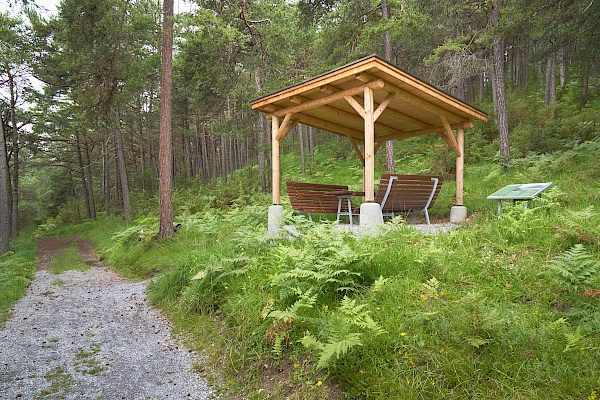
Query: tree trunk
{"points": [[165, 152], [15, 157], [262, 129], [86, 197], [499, 91], [88, 172], [550, 81], [122, 172], [148, 152], [106, 169], [311, 144], [562, 67], [389, 145], [585, 84], [223, 162], [5, 195], [301, 140]]}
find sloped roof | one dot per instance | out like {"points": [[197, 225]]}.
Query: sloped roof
{"points": [[414, 107]]}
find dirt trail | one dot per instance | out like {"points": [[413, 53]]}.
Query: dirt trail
{"points": [[91, 335]]}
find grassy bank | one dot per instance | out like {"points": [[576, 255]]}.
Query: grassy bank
{"points": [[498, 308], [17, 268]]}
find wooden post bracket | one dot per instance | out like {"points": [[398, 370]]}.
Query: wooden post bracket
{"points": [[448, 136], [286, 126]]}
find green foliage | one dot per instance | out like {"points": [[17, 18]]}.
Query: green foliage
{"points": [[452, 315], [339, 337], [322, 259], [17, 269], [205, 294], [575, 269]]}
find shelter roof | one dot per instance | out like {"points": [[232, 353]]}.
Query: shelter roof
{"points": [[410, 107]]}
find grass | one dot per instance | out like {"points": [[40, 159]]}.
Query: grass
{"points": [[68, 259], [482, 311], [17, 268], [471, 313]]}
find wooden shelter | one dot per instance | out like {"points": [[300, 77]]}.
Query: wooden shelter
{"points": [[369, 101]]}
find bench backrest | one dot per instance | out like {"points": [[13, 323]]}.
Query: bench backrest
{"points": [[407, 192], [314, 197]]}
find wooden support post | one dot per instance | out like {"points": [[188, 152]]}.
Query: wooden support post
{"points": [[275, 160], [369, 178], [460, 165]]}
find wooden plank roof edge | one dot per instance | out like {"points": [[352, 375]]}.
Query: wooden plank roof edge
{"points": [[408, 77]]}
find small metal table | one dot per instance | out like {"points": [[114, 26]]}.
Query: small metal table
{"points": [[345, 195], [519, 192]]}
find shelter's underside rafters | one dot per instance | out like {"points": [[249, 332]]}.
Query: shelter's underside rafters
{"points": [[410, 107]]}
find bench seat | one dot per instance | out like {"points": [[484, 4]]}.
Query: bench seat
{"points": [[407, 193], [316, 198]]}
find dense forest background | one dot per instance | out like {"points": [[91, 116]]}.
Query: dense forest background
{"points": [[80, 91]]}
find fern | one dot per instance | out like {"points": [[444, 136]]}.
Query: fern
{"points": [[334, 348], [348, 326], [306, 300], [322, 259], [574, 340], [574, 268], [358, 316]]}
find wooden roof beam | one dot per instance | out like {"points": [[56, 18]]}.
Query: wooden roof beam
{"points": [[390, 112], [328, 89], [417, 101], [329, 98], [346, 115], [421, 132], [329, 126]]}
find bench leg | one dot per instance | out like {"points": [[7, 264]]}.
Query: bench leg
{"points": [[349, 210]]}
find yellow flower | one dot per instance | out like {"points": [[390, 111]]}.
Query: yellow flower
{"points": [[403, 334], [319, 383]]}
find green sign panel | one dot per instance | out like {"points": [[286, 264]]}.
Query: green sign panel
{"points": [[526, 191], [519, 191]]}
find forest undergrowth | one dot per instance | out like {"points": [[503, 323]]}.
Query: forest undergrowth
{"points": [[501, 307]]}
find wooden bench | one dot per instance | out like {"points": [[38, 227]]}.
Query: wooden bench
{"points": [[407, 193], [317, 198]]}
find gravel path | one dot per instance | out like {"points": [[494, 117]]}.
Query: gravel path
{"points": [[92, 335]]}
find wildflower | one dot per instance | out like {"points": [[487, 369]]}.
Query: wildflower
{"points": [[403, 334], [378, 308], [442, 351], [319, 383]]}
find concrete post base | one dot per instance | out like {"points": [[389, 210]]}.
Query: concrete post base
{"points": [[275, 220], [370, 215], [458, 214]]}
